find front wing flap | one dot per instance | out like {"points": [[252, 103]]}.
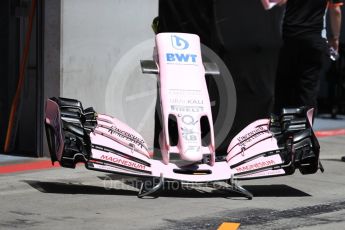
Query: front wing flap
{"points": [[275, 146]]}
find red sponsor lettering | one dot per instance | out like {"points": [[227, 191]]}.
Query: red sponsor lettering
{"points": [[124, 162], [257, 165]]}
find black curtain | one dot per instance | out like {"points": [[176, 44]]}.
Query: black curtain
{"points": [[4, 68], [245, 36]]}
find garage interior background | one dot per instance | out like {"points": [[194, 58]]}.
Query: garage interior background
{"points": [[90, 50]]}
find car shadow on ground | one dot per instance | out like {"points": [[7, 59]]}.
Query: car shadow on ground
{"points": [[168, 190], [275, 190], [74, 188], [257, 191]]}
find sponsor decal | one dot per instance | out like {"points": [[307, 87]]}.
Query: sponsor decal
{"points": [[179, 43], [180, 101], [127, 136], [187, 109], [189, 134], [121, 154], [254, 166], [189, 120], [265, 173], [188, 130], [181, 57], [123, 162], [251, 136], [177, 101]]}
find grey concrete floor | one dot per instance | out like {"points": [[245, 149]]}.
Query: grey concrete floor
{"points": [[62, 198]]}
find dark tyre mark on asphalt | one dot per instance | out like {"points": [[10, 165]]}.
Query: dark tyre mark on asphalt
{"points": [[18, 223], [256, 217], [21, 213]]}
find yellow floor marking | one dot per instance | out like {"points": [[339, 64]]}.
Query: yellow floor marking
{"points": [[229, 226]]}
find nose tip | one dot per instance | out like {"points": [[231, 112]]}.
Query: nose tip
{"points": [[192, 155]]}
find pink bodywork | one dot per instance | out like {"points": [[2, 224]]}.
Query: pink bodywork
{"points": [[119, 134], [183, 94], [245, 152], [114, 134], [138, 162], [117, 148]]}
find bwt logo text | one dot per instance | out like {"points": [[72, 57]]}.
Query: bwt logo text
{"points": [[179, 57], [179, 43]]}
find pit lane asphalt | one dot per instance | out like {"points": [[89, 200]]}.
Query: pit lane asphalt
{"points": [[62, 198]]}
